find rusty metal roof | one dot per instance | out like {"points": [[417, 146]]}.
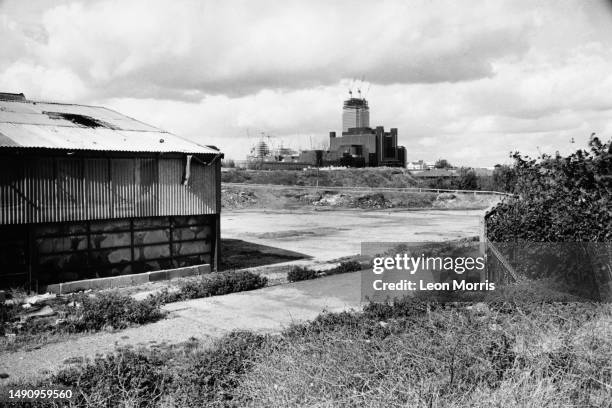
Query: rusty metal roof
{"points": [[31, 124]]}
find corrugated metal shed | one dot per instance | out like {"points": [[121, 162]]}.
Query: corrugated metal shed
{"points": [[33, 124], [38, 189]]}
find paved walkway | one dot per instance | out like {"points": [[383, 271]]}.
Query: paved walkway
{"points": [[265, 310]]}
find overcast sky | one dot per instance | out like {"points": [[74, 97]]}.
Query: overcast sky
{"points": [[467, 81]]}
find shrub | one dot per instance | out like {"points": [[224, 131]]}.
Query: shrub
{"points": [[344, 267], [300, 273], [110, 309], [214, 284], [186, 375], [124, 378], [562, 199], [211, 376], [7, 314]]}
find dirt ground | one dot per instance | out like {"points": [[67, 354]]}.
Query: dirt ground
{"points": [[327, 235], [279, 197]]}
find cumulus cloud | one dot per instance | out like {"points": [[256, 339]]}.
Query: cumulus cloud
{"points": [[467, 83], [191, 48]]}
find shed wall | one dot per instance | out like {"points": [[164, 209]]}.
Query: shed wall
{"points": [[61, 189], [40, 254]]}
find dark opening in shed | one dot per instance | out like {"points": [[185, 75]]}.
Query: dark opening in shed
{"points": [[81, 120]]}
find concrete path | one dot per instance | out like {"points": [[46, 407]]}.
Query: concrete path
{"points": [[265, 310]]}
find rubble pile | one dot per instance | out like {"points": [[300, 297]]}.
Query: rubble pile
{"points": [[237, 199], [29, 310], [373, 201], [368, 201], [333, 200]]}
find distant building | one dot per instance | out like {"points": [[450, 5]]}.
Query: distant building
{"points": [[355, 114], [420, 165], [358, 146], [365, 145], [416, 165]]}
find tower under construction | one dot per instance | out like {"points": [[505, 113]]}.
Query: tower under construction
{"points": [[355, 114]]}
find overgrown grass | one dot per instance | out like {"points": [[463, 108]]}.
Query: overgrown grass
{"points": [[299, 273], [185, 375], [423, 355], [80, 313], [351, 177], [410, 353], [76, 314], [213, 284]]}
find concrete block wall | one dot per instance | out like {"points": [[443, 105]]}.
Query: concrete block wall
{"points": [[127, 280], [60, 252]]}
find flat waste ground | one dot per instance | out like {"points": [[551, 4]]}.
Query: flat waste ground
{"points": [[320, 235], [325, 235]]}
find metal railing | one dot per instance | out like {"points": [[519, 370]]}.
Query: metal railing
{"points": [[373, 189], [500, 269]]}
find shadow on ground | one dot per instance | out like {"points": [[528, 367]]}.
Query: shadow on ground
{"points": [[238, 254]]}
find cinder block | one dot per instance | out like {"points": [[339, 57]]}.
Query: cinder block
{"points": [[202, 269], [157, 276], [94, 284], [55, 288], [128, 280], [182, 272]]}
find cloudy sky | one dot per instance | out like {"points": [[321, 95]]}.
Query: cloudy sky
{"points": [[468, 81]]}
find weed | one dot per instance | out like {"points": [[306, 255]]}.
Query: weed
{"points": [[214, 284], [300, 273], [344, 267]]}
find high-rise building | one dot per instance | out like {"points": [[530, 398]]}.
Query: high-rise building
{"points": [[355, 114], [365, 145]]}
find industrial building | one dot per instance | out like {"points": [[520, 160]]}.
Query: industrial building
{"points": [[87, 192], [360, 145], [355, 114]]}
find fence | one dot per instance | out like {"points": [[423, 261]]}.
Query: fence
{"points": [[372, 189], [582, 269], [499, 267]]}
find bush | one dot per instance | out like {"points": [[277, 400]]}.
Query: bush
{"points": [[562, 199], [300, 273], [124, 378], [7, 314], [211, 376], [110, 309], [344, 267], [214, 284], [180, 376]]}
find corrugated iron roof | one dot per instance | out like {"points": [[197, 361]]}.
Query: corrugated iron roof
{"points": [[49, 125]]}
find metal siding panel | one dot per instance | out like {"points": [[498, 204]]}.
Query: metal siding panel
{"points": [[97, 187], [73, 189]]}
